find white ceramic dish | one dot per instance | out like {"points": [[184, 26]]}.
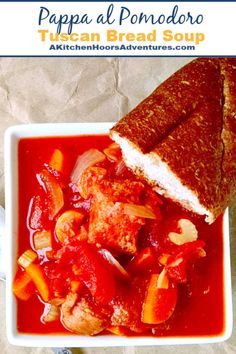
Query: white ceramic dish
{"points": [[12, 137]]}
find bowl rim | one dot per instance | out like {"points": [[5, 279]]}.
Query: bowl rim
{"points": [[12, 136]]}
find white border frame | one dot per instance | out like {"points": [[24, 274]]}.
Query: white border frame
{"points": [[12, 137]]}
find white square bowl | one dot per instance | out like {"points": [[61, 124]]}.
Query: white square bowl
{"points": [[12, 137]]}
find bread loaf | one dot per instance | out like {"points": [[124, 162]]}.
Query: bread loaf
{"points": [[182, 138]]}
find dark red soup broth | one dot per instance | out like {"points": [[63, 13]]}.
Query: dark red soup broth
{"points": [[199, 308]]}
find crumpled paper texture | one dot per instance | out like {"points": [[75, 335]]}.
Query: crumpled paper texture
{"points": [[39, 90]]}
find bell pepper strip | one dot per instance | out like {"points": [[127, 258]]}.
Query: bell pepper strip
{"points": [[23, 287], [54, 192], [160, 299], [56, 161], [36, 274]]}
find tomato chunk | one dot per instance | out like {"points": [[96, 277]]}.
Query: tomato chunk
{"points": [[91, 268]]}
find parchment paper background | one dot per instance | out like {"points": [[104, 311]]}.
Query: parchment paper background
{"points": [[34, 90]]}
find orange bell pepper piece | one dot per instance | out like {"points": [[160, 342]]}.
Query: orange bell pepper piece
{"points": [[160, 299], [23, 286], [117, 330], [37, 276], [56, 161]]}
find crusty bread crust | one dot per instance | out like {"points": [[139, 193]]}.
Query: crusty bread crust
{"points": [[189, 124], [228, 181], [173, 101]]}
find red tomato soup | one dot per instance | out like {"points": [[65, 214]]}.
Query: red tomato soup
{"points": [[100, 252]]}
